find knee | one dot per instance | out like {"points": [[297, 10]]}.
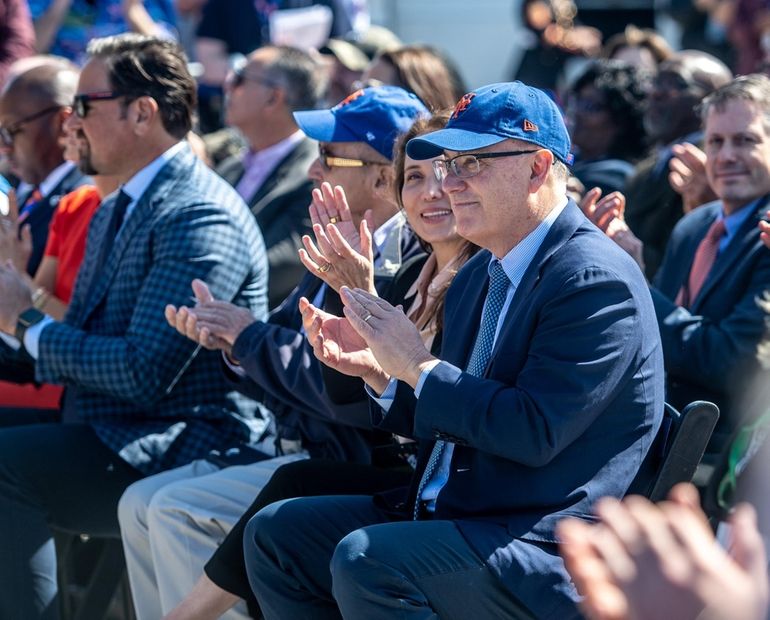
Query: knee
{"points": [[133, 507], [352, 566]]}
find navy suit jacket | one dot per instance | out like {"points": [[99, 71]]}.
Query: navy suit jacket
{"points": [[284, 374], [568, 405], [150, 394], [710, 350], [280, 206], [39, 218]]}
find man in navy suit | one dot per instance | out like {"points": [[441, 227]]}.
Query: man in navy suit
{"points": [[33, 108], [715, 267], [139, 398], [547, 396]]}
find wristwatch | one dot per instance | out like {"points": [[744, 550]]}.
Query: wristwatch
{"points": [[28, 318]]}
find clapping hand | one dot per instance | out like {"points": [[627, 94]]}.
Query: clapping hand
{"points": [[688, 176], [608, 213], [15, 296], [392, 337], [211, 323], [342, 254], [15, 244], [339, 346]]}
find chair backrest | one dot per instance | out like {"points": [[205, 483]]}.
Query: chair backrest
{"points": [[677, 449]]}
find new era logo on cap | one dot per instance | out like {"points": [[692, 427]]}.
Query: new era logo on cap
{"points": [[529, 125]]}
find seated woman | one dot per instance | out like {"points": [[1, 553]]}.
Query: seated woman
{"points": [[55, 278], [605, 106], [427, 209]]}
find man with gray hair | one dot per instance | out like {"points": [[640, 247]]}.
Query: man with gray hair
{"points": [[715, 266], [271, 174]]}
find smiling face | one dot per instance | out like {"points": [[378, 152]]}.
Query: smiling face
{"points": [[426, 205], [491, 207], [737, 145]]}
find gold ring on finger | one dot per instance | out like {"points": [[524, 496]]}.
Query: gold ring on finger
{"points": [[367, 317], [325, 267], [333, 219]]}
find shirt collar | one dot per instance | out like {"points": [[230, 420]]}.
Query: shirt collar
{"points": [[736, 219], [516, 262], [381, 234], [138, 184], [275, 152], [55, 177]]}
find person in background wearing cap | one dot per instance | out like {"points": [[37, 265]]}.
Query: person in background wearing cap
{"points": [[547, 395], [172, 523]]}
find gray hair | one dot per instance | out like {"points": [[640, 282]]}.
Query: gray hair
{"points": [[301, 77], [754, 88]]}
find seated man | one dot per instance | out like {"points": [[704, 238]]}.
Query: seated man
{"points": [[139, 398], [559, 400], [716, 267], [271, 174], [172, 523]]}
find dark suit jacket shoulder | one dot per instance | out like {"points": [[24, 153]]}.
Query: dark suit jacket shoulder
{"points": [[280, 207], [568, 404], [152, 395], [710, 349]]}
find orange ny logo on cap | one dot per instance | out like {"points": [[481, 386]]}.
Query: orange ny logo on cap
{"points": [[463, 104], [529, 125], [349, 99]]}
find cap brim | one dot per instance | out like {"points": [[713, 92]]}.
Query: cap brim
{"points": [[322, 125], [434, 144]]}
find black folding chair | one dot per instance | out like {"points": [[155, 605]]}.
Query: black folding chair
{"points": [[677, 449]]}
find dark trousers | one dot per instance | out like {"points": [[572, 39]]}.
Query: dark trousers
{"points": [[341, 556], [306, 478], [51, 474], [19, 416]]}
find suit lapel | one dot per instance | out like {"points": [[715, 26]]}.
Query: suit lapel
{"points": [[561, 231], [745, 237], [283, 178], [161, 187]]}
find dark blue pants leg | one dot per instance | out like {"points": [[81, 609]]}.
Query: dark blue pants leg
{"points": [[59, 474], [300, 551]]}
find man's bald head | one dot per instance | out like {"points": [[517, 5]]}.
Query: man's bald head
{"points": [[45, 80], [33, 107]]}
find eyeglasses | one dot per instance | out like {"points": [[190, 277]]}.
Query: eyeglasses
{"points": [[81, 103], [466, 166], [7, 134], [238, 76], [332, 161]]}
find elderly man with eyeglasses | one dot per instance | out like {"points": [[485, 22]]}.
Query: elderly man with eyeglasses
{"points": [[546, 396], [33, 108]]}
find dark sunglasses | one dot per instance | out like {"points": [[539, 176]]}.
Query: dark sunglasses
{"points": [[239, 75], [81, 103], [7, 134]]}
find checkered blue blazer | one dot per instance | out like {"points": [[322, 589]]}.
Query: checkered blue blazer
{"points": [[150, 394]]}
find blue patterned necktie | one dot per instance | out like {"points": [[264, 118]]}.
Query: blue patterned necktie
{"points": [[482, 351]]}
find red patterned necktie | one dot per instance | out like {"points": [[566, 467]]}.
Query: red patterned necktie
{"points": [[704, 259]]}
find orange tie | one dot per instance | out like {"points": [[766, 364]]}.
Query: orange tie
{"points": [[704, 259]]}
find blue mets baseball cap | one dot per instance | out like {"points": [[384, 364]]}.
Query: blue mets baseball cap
{"points": [[495, 113], [376, 116]]}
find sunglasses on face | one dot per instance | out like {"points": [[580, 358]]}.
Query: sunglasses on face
{"points": [[239, 75], [81, 104], [7, 134]]}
